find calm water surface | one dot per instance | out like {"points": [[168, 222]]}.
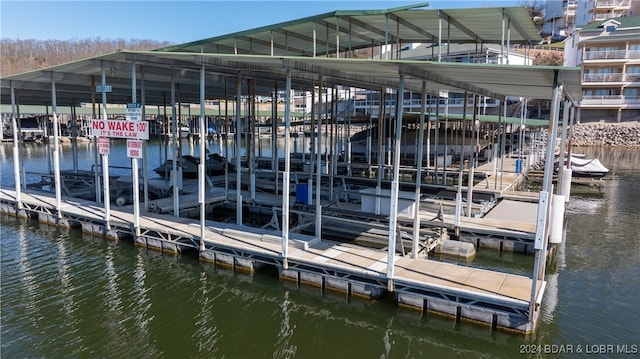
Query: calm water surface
{"points": [[68, 295]]}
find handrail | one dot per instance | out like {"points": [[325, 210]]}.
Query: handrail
{"points": [[605, 55]]}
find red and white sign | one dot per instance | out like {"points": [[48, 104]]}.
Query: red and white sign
{"points": [[103, 145], [138, 130], [134, 148]]}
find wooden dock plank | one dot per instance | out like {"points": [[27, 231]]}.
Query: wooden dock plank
{"points": [[513, 287], [465, 278], [490, 282], [514, 211]]}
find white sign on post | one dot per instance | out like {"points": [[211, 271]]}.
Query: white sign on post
{"points": [[134, 148], [134, 112], [103, 145], [138, 130], [541, 221]]}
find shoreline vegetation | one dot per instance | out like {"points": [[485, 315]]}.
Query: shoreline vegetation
{"points": [[23, 55], [623, 134]]}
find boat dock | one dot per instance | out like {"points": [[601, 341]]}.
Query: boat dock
{"points": [[396, 205], [499, 300], [505, 222]]}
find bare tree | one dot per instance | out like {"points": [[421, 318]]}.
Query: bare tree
{"points": [[551, 58], [18, 56], [535, 8]]}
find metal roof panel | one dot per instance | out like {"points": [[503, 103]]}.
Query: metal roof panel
{"points": [[358, 29]]}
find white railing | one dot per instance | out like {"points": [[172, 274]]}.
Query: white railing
{"points": [[631, 77], [611, 77], [611, 3], [617, 100], [605, 55], [632, 100], [456, 102], [608, 15], [602, 100]]}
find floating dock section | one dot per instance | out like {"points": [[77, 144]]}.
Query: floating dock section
{"points": [[495, 299]]}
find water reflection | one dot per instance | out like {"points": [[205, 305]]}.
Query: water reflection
{"points": [[64, 276], [551, 294], [26, 275], [284, 348], [207, 333], [71, 295], [140, 305], [113, 319], [584, 206]]}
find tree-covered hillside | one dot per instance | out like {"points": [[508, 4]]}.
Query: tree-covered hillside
{"points": [[18, 56]]}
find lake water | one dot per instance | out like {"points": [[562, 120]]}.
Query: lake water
{"points": [[68, 295]]}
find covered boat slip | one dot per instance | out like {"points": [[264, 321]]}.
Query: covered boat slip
{"points": [[246, 70], [218, 72]]}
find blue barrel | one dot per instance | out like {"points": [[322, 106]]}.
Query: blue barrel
{"points": [[518, 166], [302, 194]]}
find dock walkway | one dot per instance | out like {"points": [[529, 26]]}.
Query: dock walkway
{"points": [[508, 225], [498, 299]]}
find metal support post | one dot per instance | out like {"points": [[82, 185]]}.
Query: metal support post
{"points": [[238, 156], [16, 147], [202, 166], [285, 174], [393, 210], [416, 211], [540, 244], [105, 157]]}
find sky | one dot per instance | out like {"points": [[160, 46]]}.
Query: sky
{"points": [[176, 21]]}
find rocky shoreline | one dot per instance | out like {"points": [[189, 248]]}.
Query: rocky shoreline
{"points": [[625, 134]]}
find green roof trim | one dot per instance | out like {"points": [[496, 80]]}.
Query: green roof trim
{"points": [[625, 23], [610, 38]]}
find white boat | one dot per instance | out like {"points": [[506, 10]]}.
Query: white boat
{"points": [[587, 167], [184, 131]]}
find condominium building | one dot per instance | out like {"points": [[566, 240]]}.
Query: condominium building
{"points": [[608, 52], [562, 17], [368, 102], [607, 9]]}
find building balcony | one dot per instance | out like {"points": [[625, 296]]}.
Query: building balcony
{"points": [[608, 101], [632, 77], [612, 4], [611, 77], [570, 13], [605, 55], [416, 103], [599, 16], [569, 5]]}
